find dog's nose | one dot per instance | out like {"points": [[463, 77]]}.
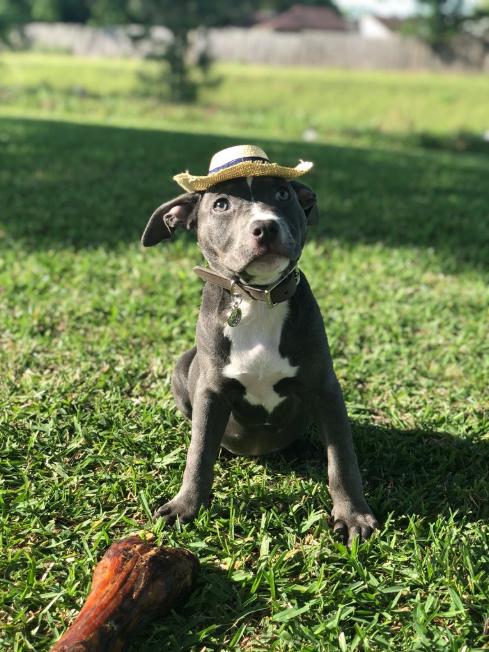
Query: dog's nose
{"points": [[264, 230]]}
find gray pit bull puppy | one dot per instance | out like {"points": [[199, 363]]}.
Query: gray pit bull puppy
{"points": [[258, 376]]}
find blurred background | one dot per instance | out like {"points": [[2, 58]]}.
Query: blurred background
{"points": [[203, 64], [379, 75]]}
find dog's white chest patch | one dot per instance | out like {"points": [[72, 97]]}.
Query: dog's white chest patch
{"points": [[255, 360]]}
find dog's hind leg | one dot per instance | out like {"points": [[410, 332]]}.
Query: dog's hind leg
{"points": [[179, 383]]}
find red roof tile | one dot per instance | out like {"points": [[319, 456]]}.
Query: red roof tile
{"points": [[300, 17]]}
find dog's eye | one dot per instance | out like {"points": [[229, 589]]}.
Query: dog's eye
{"points": [[221, 205], [282, 194]]}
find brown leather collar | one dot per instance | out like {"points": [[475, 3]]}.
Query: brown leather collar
{"points": [[283, 290]]}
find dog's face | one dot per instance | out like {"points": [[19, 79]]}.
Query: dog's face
{"points": [[248, 228], [253, 228]]}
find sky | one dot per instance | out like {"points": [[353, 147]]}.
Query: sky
{"points": [[382, 7], [378, 7]]}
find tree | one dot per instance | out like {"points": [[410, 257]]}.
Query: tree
{"points": [[180, 18], [64, 11], [13, 14], [443, 19], [440, 21], [282, 5]]}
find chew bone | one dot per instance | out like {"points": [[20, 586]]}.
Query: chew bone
{"points": [[133, 583]]}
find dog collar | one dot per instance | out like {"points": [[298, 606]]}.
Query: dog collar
{"points": [[274, 294]]}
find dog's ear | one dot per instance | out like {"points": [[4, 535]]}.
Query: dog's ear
{"points": [[179, 212], [308, 201]]}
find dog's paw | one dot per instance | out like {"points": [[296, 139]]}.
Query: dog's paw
{"points": [[349, 524], [174, 509]]}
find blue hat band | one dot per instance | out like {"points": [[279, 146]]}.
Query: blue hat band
{"points": [[238, 160]]}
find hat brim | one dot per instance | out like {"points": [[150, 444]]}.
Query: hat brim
{"points": [[244, 169]]}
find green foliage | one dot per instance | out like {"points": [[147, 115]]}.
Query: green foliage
{"points": [[441, 21], [91, 326], [109, 12], [282, 5], [180, 17], [64, 11], [13, 13]]}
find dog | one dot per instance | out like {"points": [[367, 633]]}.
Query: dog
{"points": [[261, 371]]}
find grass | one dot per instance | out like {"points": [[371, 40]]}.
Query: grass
{"points": [[424, 110], [91, 326]]}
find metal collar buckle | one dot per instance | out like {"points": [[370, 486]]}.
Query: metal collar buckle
{"points": [[270, 288]]}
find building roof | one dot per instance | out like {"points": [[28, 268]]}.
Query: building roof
{"points": [[394, 24], [299, 17]]}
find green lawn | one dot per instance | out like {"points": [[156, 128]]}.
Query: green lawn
{"points": [[89, 333], [344, 107]]}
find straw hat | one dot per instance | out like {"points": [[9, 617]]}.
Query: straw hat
{"points": [[239, 161]]}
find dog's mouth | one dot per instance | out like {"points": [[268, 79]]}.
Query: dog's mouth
{"points": [[268, 260], [266, 268]]}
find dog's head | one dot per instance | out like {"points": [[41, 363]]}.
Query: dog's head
{"points": [[250, 228]]}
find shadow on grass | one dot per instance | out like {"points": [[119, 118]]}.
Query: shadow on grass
{"points": [[425, 473], [418, 473], [457, 142], [82, 186], [408, 473]]}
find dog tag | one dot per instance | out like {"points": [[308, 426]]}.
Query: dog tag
{"points": [[234, 316]]}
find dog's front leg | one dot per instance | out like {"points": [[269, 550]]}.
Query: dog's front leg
{"points": [[352, 516], [210, 414]]}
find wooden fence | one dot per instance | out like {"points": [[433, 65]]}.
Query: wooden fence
{"points": [[308, 48]]}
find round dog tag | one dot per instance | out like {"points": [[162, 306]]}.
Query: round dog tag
{"points": [[234, 316]]}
